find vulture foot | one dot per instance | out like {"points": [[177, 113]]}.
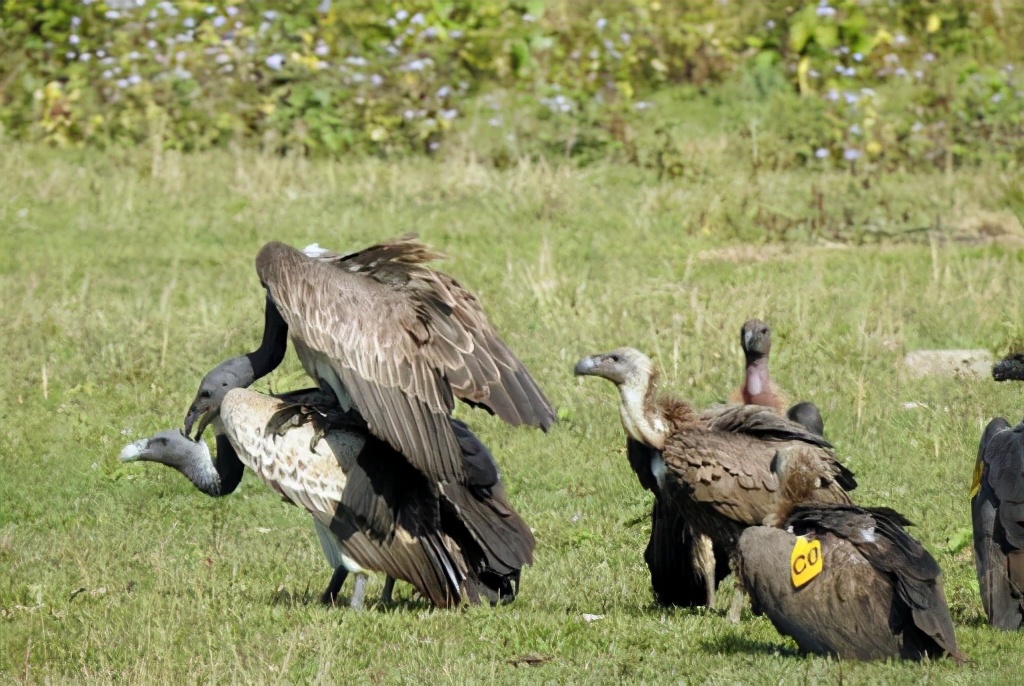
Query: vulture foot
{"points": [[358, 593], [739, 601], [284, 419], [389, 588], [330, 596]]}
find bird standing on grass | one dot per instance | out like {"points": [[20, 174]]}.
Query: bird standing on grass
{"points": [[451, 541], [392, 340], [712, 469], [997, 512], [840, 579]]}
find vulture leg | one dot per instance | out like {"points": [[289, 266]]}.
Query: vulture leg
{"points": [[284, 419], [358, 593], [389, 587], [330, 596], [739, 601], [704, 561]]}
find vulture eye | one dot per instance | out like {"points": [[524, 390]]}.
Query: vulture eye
{"points": [[204, 394], [615, 358]]}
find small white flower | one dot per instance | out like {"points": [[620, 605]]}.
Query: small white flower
{"points": [[825, 11], [494, 121], [134, 80], [321, 50], [231, 10], [857, 57], [270, 15], [376, 80], [418, 19], [851, 154], [122, 83], [601, 23], [529, 18], [821, 153], [73, 39], [84, 57], [401, 15], [219, 21], [929, 57], [275, 61], [112, 14], [356, 61], [443, 92], [189, 23], [449, 114]]}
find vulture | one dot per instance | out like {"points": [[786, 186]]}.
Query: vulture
{"points": [[843, 580], [710, 471], [997, 512], [373, 510], [758, 388], [391, 339]]}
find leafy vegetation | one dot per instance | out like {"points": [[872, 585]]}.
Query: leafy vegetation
{"points": [[125, 275], [890, 86]]}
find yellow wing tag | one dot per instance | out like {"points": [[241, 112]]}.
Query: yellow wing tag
{"points": [[976, 483], [805, 563]]}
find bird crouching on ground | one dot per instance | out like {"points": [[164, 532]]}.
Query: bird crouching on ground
{"points": [[843, 580]]}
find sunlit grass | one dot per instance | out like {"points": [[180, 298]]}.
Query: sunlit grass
{"points": [[124, 277]]}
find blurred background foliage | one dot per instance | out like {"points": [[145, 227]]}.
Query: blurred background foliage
{"points": [[864, 84]]}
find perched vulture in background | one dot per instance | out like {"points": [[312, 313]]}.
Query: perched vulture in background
{"points": [[392, 339], [843, 580], [997, 511], [452, 541], [758, 388], [710, 469]]}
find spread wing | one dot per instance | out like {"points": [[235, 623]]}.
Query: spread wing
{"points": [[402, 341]]}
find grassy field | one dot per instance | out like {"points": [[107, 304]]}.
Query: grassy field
{"points": [[126, 276]]}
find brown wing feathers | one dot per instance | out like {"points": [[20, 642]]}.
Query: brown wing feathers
{"points": [[402, 338]]}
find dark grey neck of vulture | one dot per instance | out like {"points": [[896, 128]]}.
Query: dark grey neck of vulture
{"points": [[268, 356], [192, 458]]}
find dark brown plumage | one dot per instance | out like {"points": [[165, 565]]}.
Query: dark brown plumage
{"points": [[711, 469], [399, 341], [997, 512], [759, 389], [878, 594]]}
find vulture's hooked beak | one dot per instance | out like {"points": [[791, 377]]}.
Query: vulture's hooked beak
{"points": [[585, 367], [205, 415]]}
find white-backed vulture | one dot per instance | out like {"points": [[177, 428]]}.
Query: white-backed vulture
{"points": [[710, 469], [997, 512], [759, 389], [857, 587], [391, 338], [453, 541]]}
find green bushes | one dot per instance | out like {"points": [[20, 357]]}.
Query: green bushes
{"points": [[894, 83]]}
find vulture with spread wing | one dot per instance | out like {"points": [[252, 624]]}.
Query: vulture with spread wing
{"points": [[759, 389], [710, 471], [373, 510], [840, 579], [392, 340], [997, 511]]}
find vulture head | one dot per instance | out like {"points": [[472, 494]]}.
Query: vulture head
{"points": [[236, 372], [176, 450], [623, 367], [755, 339], [1009, 368], [634, 374]]}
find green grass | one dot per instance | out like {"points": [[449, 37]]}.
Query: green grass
{"points": [[124, 277]]}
